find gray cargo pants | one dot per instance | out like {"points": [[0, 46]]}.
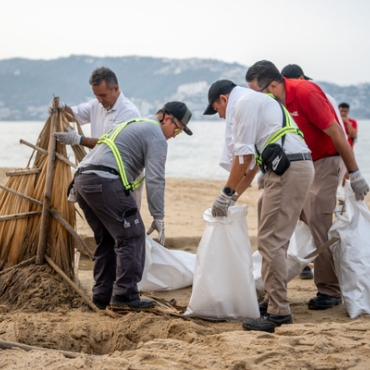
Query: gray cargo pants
{"points": [[119, 235]]}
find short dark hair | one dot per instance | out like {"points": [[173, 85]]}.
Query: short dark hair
{"points": [[264, 72], [101, 74], [343, 105]]}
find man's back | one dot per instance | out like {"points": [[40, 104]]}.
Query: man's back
{"points": [[313, 113]]}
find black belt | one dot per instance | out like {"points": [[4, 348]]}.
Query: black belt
{"points": [[93, 167], [299, 157]]}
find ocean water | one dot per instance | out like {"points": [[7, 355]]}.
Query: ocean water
{"points": [[195, 156]]}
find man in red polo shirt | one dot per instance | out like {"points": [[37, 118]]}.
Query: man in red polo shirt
{"points": [[316, 117], [350, 123]]}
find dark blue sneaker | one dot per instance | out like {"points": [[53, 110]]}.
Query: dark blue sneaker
{"points": [[323, 302]]}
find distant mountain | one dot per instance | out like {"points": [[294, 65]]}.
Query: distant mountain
{"points": [[27, 86]]}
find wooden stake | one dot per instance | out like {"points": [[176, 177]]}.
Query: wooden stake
{"points": [[23, 172], [19, 215], [56, 214], [21, 195], [86, 299], [48, 185], [43, 151], [65, 223]]}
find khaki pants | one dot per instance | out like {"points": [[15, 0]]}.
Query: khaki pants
{"points": [[281, 204], [318, 214]]}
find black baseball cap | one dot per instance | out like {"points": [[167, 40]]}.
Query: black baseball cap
{"points": [[181, 112], [293, 71], [218, 88]]}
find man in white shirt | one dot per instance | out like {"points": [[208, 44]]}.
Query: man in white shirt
{"points": [[252, 119], [109, 108]]}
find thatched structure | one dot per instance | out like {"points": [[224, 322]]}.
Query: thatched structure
{"points": [[36, 220]]}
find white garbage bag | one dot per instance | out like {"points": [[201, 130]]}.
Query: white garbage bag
{"points": [[351, 253], [166, 269], [301, 245], [223, 286]]}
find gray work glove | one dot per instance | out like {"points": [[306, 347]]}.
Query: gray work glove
{"points": [[61, 105], [71, 137], [158, 224], [221, 205], [358, 185], [261, 181]]}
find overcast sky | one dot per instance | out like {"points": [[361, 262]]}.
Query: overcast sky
{"points": [[329, 39]]}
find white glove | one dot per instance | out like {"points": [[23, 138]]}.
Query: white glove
{"points": [[158, 224], [358, 185], [232, 202], [261, 181], [71, 137], [61, 105], [221, 205]]}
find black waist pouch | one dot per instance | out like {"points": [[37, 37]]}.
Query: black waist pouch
{"points": [[275, 159]]}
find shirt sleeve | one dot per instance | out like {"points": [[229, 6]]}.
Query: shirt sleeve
{"points": [[246, 119], [155, 161], [82, 112]]}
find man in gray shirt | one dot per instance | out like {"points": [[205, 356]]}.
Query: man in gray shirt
{"points": [[103, 184]]}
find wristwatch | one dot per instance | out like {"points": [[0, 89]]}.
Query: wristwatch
{"points": [[228, 191]]}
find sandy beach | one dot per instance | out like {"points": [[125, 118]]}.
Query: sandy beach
{"points": [[142, 340]]}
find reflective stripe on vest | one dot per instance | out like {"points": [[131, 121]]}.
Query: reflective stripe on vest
{"points": [[105, 139]]}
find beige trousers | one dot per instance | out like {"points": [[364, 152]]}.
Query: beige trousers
{"points": [[281, 204]]}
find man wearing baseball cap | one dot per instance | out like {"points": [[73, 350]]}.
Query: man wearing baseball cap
{"points": [[251, 120], [103, 184]]}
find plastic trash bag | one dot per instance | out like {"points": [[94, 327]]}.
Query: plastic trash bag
{"points": [[351, 253], [166, 269], [301, 245], [223, 286]]}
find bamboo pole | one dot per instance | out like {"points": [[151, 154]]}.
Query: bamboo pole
{"points": [[19, 215], [43, 151], [71, 284], [48, 186], [23, 172], [21, 195], [65, 223]]}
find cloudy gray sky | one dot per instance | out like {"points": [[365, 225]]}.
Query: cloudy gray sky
{"points": [[329, 39]]}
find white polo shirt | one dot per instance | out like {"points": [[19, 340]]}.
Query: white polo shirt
{"points": [[251, 119], [103, 120]]}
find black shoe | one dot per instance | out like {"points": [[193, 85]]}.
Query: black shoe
{"points": [[267, 323], [306, 273], [323, 302], [140, 304], [99, 304], [263, 308]]}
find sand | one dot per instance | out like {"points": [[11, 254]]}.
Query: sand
{"points": [[53, 318]]}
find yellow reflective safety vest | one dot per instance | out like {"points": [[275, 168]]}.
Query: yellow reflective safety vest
{"points": [[287, 128], [109, 140]]}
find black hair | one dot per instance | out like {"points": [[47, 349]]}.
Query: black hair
{"points": [[343, 105], [101, 74], [264, 72]]}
